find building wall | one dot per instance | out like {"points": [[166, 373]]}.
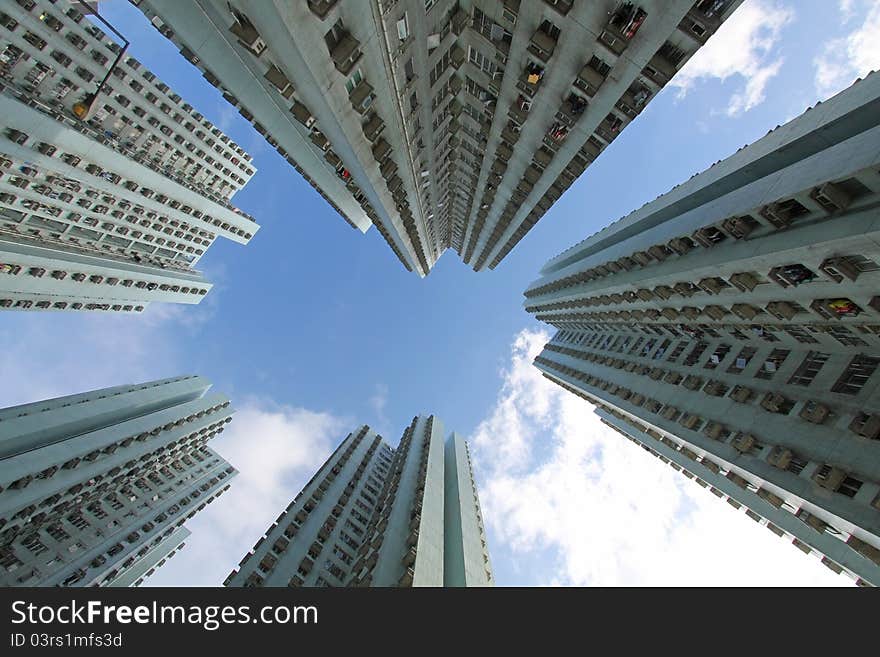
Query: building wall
{"points": [[466, 556], [132, 196], [427, 110], [91, 484]]}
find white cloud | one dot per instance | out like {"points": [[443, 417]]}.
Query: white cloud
{"points": [[276, 450], [744, 46], [846, 58], [568, 501]]}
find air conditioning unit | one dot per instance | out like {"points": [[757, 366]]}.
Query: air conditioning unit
{"points": [[829, 477], [744, 442], [690, 421], [831, 196], [839, 268], [780, 457], [741, 394], [866, 425], [773, 402], [815, 412]]}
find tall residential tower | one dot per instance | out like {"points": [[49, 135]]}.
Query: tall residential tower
{"points": [[446, 123], [732, 326], [95, 488], [377, 516], [113, 210]]}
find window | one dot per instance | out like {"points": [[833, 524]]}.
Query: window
{"points": [[772, 364], [742, 360], [679, 348], [354, 81], [796, 464], [845, 337], [717, 356], [697, 352], [800, 334], [856, 375], [850, 486], [808, 369], [403, 28], [481, 61]]}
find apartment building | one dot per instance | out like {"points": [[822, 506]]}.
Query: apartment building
{"points": [[444, 123], [732, 326], [112, 187], [374, 515], [95, 488]]}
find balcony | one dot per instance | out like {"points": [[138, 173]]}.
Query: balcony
{"points": [[459, 21], [708, 236], [783, 213], [407, 578], [589, 80], [409, 559], [783, 309], [373, 127], [362, 97], [318, 139], [321, 8], [388, 169], [247, 34], [532, 76], [345, 53], [456, 56], [542, 44], [381, 150], [622, 27], [279, 81], [302, 114], [794, 275], [835, 308]]}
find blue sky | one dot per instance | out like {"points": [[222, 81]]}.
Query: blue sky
{"points": [[314, 328]]}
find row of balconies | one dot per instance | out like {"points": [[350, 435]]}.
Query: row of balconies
{"points": [[779, 215], [835, 308], [114, 178], [812, 411]]}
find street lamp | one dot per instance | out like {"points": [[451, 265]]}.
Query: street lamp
{"points": [[83, 108]]}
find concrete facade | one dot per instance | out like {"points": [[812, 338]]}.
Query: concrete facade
{"points": [[112, 211], [734, 324], [377, 516], [446, 123], [95, 487]]}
